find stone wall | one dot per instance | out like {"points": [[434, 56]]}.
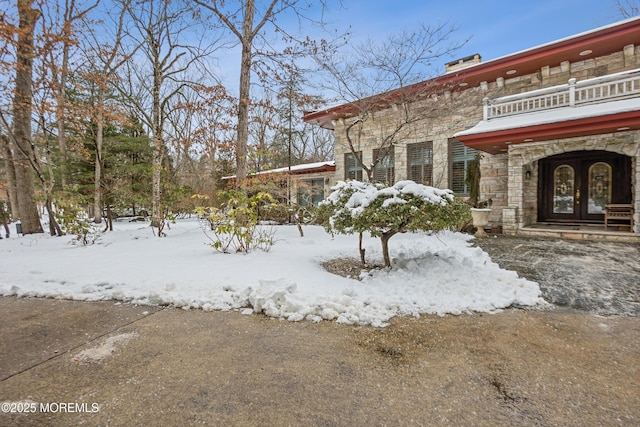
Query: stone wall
{"points": [[522, 192], [509, 179]]}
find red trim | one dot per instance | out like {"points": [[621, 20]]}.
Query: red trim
{"points": [[319, 169], [601, 42], [496, 142], [325, 168]]}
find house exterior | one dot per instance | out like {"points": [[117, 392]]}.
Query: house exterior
{"points": [[303, 185], [557, 128]]}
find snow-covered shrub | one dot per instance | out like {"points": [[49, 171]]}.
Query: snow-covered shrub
{"points": [[356, 207], [74, 220], [235, 226]]}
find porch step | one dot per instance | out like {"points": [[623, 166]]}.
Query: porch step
{"points": [[579, 233]]}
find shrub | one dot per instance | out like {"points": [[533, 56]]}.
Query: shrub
{"points": [[73, 220], [235, 226], [356, 207]]}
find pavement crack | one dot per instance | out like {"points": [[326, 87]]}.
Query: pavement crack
{"points": [[84, 343]]}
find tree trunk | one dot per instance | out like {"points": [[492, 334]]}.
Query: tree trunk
{"points": [[109, 225], [156, 164], [97, 180], [60, 109], [244, 101], [156, 176], [22, 120], [385, 247], [54, 227], [11, 177], [362, 250]]}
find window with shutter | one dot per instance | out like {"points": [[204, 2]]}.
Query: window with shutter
{"points": [[420, 162], [352, 168], [384, 171], [459, 156]]}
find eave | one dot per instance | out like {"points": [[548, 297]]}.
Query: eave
{"points": [[325, 168], [496, 142], [588, 45], [304, 169]]}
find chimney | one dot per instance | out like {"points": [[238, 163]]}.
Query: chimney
{"points": [[461, 63]]}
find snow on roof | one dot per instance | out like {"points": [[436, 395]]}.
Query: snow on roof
{"points": [[556, 115], [297, 168]]}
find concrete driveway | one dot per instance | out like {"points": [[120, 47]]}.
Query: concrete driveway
{"points": [[590, 276], [68, 363]]}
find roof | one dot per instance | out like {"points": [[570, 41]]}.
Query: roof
{"points": [[307, 168], [598, 42], [494, 135]]}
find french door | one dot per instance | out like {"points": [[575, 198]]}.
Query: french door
{"points": [[575, 187]]}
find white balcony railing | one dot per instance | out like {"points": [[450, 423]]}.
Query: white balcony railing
{"points": [[599, 89]]}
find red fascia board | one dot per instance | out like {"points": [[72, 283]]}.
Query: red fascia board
{"points": [[602, 42], [605, 41], [494, 142], [325, 168]]}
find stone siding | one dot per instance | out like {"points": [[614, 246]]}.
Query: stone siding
{"points": [[510, 178], [525, 157]]}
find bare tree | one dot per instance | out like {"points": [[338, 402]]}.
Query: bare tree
{"points": [[103, 54], [249, 22], [315, 144], [262, 125], [301, 141], [64, 18], [19, 135], [627, 8], [60, 26], [393, 75], [201, 127], [156, 75]]}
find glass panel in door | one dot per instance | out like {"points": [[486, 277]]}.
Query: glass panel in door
{"points": [[599, 187], [563, 185]]}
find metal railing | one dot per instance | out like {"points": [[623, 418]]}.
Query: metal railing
{"points": [[600, 89]]}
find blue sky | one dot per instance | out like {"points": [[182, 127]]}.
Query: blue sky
{"points": [[497, 27]]}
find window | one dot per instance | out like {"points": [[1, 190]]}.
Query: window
{"points": [[420, 162], [459, 156], [352, 168], [310, 192], [385, 170]]}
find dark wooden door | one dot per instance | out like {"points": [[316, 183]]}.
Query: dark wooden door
{"points": [[575, 187]]}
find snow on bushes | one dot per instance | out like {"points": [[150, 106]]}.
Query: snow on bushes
{"points": [[357, 207]]}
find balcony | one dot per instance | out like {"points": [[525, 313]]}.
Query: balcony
{"points": [[612, 87]]}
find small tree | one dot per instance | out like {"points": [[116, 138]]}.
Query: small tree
{"points": [[236, 226], [356, 207]]}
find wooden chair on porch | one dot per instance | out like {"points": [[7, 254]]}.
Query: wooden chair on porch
{"points": [[618, 212]]}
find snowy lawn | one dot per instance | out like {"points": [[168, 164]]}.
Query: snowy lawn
{"points": [[431, 274]]}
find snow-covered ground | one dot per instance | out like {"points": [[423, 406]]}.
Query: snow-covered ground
{"points": [[431, 274]]}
